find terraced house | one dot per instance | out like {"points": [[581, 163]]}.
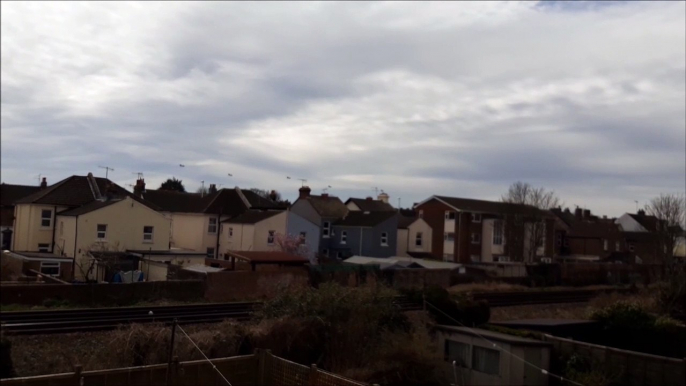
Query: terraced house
{"points": [[9, 194]]}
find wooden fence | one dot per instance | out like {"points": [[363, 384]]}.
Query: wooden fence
{"points": [[630, 367], [261, 368]]}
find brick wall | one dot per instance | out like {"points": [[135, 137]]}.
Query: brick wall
{"points": [[103, 294], [242, 285], [434, 215]]}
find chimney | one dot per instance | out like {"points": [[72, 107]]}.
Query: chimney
{"points": [[139, 188], [43, 183], [273, 195], [212, 189], [641, 212], [567, 210], [325, 195], [587, 214], [383, 197], [578, 213], [369, 199], [304, 192]]}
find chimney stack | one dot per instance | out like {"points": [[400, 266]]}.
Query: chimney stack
{"points": [[641, 212], [325, 195], [368, 199], [578, 213], [304, 192], [587, 214], [43, 183], [139, 188], [212, 189]]}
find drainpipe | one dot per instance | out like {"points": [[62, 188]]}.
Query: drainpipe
{"points": [[54, 227], [76, 237], [459, 229]]}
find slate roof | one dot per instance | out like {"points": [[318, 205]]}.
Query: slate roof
{"points": [[93, 206], [227, 201], [364, 219], [328, 206], [647, 221], [10, 193], [259, 202], [481, 206], [76, 191], [601, 230], [371, 205], [252, 217], [404, 222]]}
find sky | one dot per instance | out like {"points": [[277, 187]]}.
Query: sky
{"points": [[461, 99]]}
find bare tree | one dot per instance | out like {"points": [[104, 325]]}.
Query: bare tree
{"points": [[670, 211], [525, 230], [95, 257]]}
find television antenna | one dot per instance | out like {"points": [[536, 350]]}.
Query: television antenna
{"points": [[376, 190], [107, 170], [326, 189], [140, 174], [39, 180], [302, 180]]}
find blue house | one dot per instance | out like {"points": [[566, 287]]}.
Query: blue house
{"points": [[323, 211], [365, 233], [308, 231]]}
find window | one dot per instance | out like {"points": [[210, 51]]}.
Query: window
{"points": [[270, 237], [476, 217], [476, 238], [46, 218], [448, 257], [101, 233], [421, 213], [339, 255], [449, 236], [486, 360], [558, 241], [449, 215], [326, 229], [418, 239], [212, 227], [210, 253], [605, 245], [43, 247], [616, 245], [384, 239], [344, 237], [631, 248], [50, 268], [498, 233], [230, 232], [303, 236], [458, 352], [325, 252], [147, 233]]}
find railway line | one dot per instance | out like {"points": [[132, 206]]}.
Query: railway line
{"points": [[100, 319]]}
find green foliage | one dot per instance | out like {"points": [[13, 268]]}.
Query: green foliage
{"points": [[447, 309], [582, 370], [625, 316], [173, 184], [672, 294], [56, 303]]}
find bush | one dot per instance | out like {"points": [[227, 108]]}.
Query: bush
{"points": [[672, 294], [587, 372], [449, 310], [624, 315], [6, 367]]}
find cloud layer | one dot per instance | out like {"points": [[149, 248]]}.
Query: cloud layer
{"points": [[415, 98]]}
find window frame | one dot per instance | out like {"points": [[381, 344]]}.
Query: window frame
{"points": [[98, 232], [384, 239], [482, 367], [344, 237], [476, 217], [303, 236], [419, 239], [43, 219], [498, 232], [151, 233], [271, 236], [230, 232], [212, 223], [478, 238], [326, 229], [210, 254], [450, 215], [421, 213], [44, 248], [49, 264], [447, 236], [325, 252], [463, 353]]}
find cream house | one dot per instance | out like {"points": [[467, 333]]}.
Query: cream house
{"points": [[414, 237], [196, 219], [112, 225], [253, 231]]}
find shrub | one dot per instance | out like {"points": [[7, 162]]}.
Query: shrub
{"points": [[6, 367], [446, 309], [624, 315], [672, 294], [587, 372]]}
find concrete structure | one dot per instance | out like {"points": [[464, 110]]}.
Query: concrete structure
{"points": [[322, 211], [478, 362], [467, 230], [253, 231], [365, 233]]}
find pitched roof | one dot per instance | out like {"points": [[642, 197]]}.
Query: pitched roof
{"points": [[76, 191], [647, 221], [404, 222], [565, 215], [364, 219], [482, 206], [258, 202], [227, 201], [172, 201], [371, 205], [252, 217], [599, 229], [10, 193], [93, 206], [327, 206]]}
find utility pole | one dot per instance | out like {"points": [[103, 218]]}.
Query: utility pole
{"points": [[107, 170]]}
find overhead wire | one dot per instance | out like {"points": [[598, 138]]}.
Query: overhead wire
{"points": [[206, 358]]}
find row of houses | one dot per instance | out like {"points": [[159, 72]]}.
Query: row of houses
{"points": [[82, 214]]}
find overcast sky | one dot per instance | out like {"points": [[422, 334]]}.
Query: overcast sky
{"points": [[417, 99]]}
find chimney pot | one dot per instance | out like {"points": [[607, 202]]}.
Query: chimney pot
{"points": [[43, 183], [325, 194], [212, 189], [641, 212], [139, 189], [304, 192], [578, 213], [369, 199]]}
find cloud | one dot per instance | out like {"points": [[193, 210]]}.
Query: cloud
{"points": [[415, 98]]}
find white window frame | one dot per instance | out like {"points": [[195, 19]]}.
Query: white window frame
{"points": [[44, 247], [151, 234], [270, 237], [476, 217], [50, 264], [344, 237], [475, 240], [449, 215], [498, 232], [98, 232], [384, 239], [449, 236], [326, 229], [212, 224], [43, 219], [418, 239]]}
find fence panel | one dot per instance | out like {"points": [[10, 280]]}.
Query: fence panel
{"points": [[280, 371]]}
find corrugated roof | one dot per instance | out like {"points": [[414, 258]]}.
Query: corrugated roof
{"points": [[492, 335], [202, 268], [10, 193], [371, 205], [252, 217], [364, 219]]}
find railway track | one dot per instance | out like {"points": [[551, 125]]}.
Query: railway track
{"points": [[100, 319]]}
